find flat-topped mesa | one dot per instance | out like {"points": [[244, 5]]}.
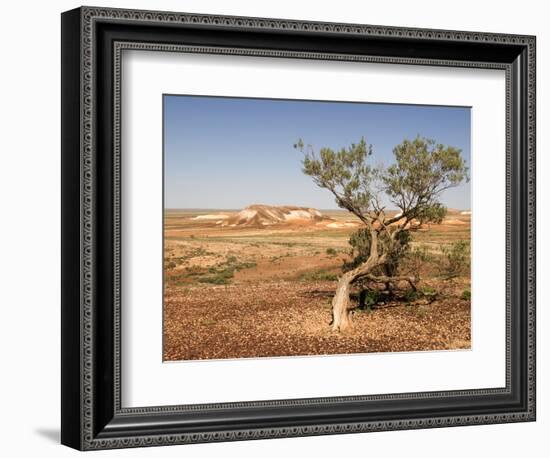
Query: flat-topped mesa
{"points": [[267, 215]]}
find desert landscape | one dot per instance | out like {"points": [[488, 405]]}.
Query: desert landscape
{"points": [[259, 281], [310, 227]]}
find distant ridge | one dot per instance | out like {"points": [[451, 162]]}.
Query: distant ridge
{"points": [[261, 216], [267, 215]]}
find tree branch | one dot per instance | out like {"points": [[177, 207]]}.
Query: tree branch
{"points": [[385, 279]]}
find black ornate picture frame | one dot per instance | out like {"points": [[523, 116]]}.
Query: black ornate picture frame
{"points": [[92, 42]]}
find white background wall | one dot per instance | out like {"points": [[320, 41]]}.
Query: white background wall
{"points": [[30, 240]]}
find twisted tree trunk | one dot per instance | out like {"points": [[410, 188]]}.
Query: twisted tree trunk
{"points": [[341, 306], [340, 302]]}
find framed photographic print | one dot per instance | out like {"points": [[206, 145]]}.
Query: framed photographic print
{"points": [[276, 228]]}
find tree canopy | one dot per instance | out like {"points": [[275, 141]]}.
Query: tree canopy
{"points": [[413, 184]]}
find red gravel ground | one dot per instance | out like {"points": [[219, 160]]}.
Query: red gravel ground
{"points": [[286, 318]]}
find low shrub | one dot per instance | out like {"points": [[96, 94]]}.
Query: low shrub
{"points": [[368, 298], [412, 295], [430, 294], [319, 275], [428, 291], [222, 274], [218, 277], [416, 260], [456, 259]]}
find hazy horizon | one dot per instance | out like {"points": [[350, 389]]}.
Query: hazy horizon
{"points": [[283, 205], [229, 153]]}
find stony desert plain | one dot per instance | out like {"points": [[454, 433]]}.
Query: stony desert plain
{"points": [[258, 282]]}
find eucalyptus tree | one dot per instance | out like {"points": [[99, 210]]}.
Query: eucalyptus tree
{"points": [[412, 185]]}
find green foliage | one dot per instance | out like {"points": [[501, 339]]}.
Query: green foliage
{"points": [[193, 271], [245, 265], [173, 261], [423, 169], [433, 213], [430, 294], [412, 295], [331, 252], [428, 291], [369, 298], [319, 275], [396, 250], [221, 274], [416, 258], [344, 172], [456, 259], [361, 240], [466, 295], [422, 253], [218, 277]]}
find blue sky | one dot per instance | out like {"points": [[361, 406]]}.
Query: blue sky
{"points": [[222, 152]]}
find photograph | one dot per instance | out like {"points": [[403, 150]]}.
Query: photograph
{"points": [[314, 227], [284, 223]]}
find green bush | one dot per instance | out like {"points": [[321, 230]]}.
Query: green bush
{"points": [[319, 275], [222, 274], [245, 265], [360, 242], [430, 294], [231, 259], [412, 295], [456, 259], [368, 298], [466, 295], [218, 277], [416, 258], [331, 252]]}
